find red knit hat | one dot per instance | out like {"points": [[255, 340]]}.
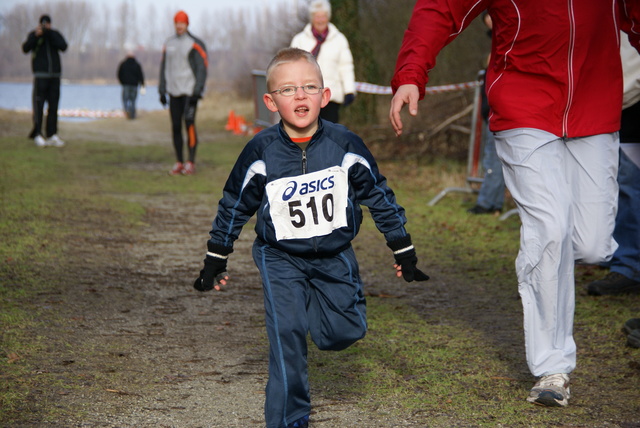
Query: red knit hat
{"points": [[181, 16]]}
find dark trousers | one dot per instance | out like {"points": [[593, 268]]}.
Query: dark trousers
{"points": [[331, 112], [630, 124], [45, 90], [180, 109], [321, 297], [627, 232], [129, 96]]}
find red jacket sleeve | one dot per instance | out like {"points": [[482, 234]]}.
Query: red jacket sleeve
{"points": [[433, 25]]}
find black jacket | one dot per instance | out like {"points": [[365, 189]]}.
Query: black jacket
{"points": [[130, 72], [45, 57]]}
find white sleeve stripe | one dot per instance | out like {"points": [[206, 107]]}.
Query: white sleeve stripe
{"points": [[217, 256], [351, 159], [256, 168], [403, 250]]}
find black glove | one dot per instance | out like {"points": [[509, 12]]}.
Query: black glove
{"points": [[405, 256], [215, 267], [214, 270], [348, 99], [163, 100], [190, 109]]}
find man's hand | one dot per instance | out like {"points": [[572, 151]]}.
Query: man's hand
{"points": [[190, 108], [163, 100], [406, 94]]}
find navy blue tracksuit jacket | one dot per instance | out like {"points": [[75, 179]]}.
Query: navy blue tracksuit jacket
{"points": [[308, 206]]}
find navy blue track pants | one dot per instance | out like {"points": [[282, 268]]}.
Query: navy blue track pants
{"points": [[322, 297]]}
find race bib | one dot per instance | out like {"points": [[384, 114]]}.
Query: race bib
{"points": [[309, 205]]}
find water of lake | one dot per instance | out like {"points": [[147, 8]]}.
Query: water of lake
{"points": [[93, 98]]}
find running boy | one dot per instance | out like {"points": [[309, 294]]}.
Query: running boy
{"points": [[306, 179]]}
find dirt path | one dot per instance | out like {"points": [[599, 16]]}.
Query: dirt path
{"points": [[158, 353], [138, 347], [142, 348]]}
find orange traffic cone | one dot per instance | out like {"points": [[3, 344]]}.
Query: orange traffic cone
{"points": [[241, 125], [231, 122]]}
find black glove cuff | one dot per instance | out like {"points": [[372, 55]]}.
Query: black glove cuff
{"points": [[217, 250], [401, 245]]}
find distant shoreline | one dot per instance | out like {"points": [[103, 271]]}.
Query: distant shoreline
{"points": [[152, 82]]}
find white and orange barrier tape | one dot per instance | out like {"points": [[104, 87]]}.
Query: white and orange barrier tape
{"points": [[90, 114], [84, 113], [370, 88]]}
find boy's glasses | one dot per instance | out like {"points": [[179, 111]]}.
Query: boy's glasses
{"points": [[288, 91]]}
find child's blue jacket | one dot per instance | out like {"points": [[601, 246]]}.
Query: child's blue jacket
{"points": [[270, 156]]}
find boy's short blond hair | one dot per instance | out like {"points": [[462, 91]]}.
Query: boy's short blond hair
{"points": [[287, 55]]}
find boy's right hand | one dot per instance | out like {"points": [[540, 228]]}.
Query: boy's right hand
{"points": [[213, 275]]}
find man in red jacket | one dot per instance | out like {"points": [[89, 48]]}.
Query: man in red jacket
{"points": [[554, 86]]}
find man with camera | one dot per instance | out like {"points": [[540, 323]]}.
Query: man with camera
{"points": [[45, 43]]}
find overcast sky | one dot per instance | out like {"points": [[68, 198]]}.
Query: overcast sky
{"points": [[189, 6]]}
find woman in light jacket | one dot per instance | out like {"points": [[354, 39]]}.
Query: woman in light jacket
{"points": [[331, 49]]}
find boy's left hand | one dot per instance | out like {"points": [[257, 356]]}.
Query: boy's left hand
{"points": [[406, 260], [406, 267]]}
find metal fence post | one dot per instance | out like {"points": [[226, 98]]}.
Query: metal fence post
{"points": [[475, 144]]}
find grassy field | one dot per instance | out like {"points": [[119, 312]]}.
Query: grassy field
{"points": [[448, 352]]}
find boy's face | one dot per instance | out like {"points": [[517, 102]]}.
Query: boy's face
{"points": [[300, 111]]}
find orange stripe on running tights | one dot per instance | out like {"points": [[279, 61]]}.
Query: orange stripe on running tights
{"points": [[192, 136]]}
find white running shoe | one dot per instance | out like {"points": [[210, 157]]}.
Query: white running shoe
{"points": [[551, 391], [40, 141], [177, 169], [55, 141], [189, 168]]}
